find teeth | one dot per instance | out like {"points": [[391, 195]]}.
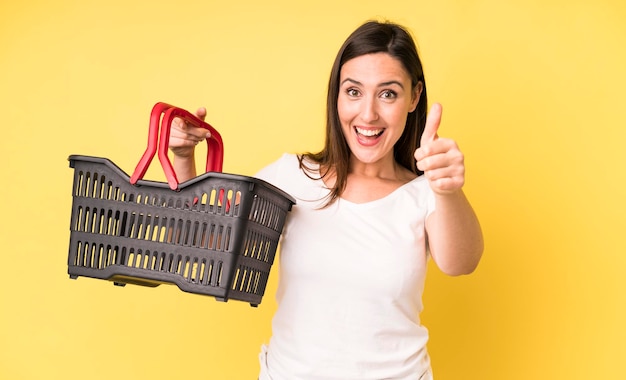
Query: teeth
{"points": [[369, 132]]}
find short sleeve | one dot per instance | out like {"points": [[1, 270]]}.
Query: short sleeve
{"points": [[274, 172], [430, 201]]}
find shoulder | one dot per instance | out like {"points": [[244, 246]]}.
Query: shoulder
{"points": [[287, 174], [283, 172], [288, 162], [419, 192]]}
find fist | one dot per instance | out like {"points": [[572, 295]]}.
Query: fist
{"points": [[184, 137], [440, 159]]}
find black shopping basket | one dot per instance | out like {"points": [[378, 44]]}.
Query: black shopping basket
{"points": [[214, 235]]}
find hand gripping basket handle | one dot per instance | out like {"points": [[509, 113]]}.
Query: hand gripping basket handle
{"points": [[215, 151]]}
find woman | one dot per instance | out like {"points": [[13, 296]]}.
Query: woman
{"points": [[383, 195]]}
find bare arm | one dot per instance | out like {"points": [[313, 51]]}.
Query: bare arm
{"points": [[183, 141], [454, 233]]}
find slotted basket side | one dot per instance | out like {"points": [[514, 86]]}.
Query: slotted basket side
{"points": [[216, 236], [266, 220]]}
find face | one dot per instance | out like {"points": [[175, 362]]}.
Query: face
{"points": [[375, 96]]}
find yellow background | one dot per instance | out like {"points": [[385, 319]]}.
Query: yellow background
{"points": [[533, 92]]}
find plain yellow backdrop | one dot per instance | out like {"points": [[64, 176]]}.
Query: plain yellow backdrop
{"points": [[532, 91]]}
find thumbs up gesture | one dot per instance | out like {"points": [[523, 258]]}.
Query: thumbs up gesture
{"points": [[439, 158]]}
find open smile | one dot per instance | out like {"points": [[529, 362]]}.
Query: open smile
{"points": [[369, 132], [368, 137]]}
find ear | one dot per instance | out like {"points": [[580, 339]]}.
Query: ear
{"points": [[417, 92]]}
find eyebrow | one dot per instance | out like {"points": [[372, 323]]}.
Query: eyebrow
{"points": [[383, 84]]}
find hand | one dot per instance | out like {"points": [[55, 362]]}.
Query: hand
{"points": [[439, 158], [185, 137]]}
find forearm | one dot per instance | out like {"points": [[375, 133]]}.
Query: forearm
{"points": [[454, 234], [185, 167]]}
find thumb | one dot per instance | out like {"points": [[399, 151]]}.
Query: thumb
{"points": [[432, 125], [201, 113]]}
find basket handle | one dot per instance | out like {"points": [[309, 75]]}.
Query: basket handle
{"points": [[160, 141]]}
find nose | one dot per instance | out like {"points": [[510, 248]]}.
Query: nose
{"points": [[369, 109]]}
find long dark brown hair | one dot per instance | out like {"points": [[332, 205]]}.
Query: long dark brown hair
{"points": [[371, 37]]}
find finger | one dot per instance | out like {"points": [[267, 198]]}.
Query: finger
{"points": [[198, 135], [432, 125], [446, 185], [438, 146], [187, 134], [442, 153], [178, 123], [438, 167], [201, 113]]}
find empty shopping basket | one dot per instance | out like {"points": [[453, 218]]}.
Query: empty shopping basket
{"points": [[214, 235]]}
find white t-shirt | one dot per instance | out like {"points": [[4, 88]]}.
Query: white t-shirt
{"points": [[350, 283]]}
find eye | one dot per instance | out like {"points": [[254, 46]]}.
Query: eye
{"points": [[352, 92], [388, 94]]}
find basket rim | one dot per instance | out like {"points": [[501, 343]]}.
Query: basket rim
{"points": [[228, 176]]}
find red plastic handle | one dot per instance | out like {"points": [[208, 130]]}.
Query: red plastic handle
{"points": [[153, 141], [215, 151]]}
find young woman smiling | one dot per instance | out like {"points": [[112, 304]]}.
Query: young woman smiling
{"points": [[382, 197]]}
